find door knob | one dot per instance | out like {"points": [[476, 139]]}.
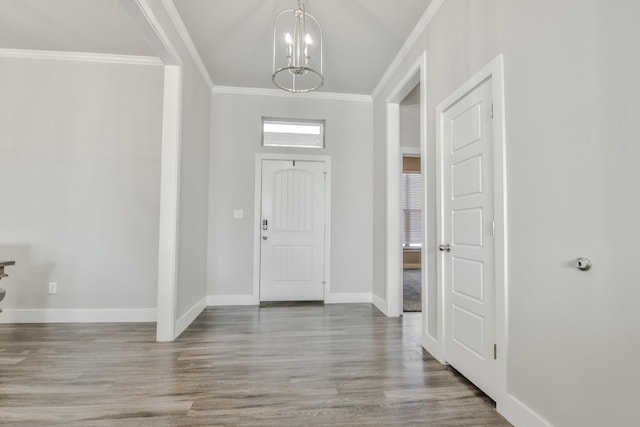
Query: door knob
{"points": [[445, 248], [264, 237]]}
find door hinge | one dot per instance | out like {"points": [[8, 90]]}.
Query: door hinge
{"points": [[495, 351], [491, 109], [325, 176], [493, 228]]}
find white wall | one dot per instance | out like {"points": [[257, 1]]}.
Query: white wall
{"points": [[410, 119], [79, 168], [571, 72], [194, 191], [236, 140], [92, 110]]}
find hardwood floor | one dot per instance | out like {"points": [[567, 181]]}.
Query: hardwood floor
{"points": [[270, 366]]}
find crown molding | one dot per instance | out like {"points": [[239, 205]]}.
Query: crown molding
{"points": [[143, 17], [331, 96], [422, 25], [175, 17], [79, 56]]}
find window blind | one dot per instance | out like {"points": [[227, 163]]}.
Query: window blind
{"points": [[412, 210]]}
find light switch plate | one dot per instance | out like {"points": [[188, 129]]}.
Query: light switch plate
{"points": [[238, 214]]}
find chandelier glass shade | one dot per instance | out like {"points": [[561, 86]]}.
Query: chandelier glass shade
{"points": [[297, 51]]}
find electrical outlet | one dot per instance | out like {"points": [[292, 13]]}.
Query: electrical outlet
{"points": [[238, 213], [53, 288]]}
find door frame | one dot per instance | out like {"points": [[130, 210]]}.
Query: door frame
{"points": [[495, 71], [257, 216], [417, 75]]}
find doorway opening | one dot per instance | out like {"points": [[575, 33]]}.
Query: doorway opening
{"points": [[406, 137], [412, 202]]}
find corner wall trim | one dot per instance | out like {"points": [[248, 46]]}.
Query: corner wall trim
{"points": [[224, 300], [186, 319], [379, 303], [175, 17], [168, 233], [348, 298], [80, 57], [78, 315], [422, 25], [144, 18]]}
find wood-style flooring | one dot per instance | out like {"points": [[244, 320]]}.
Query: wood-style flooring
{"points": [[272, 366]]}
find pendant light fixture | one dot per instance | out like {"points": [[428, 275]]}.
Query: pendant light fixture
{"points": [[297, 51]]}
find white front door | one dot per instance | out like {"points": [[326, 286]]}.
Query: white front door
{"points": [[466, 234], [292, 231]]}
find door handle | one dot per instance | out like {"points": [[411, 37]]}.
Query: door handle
{"points": [[445, 248], [264, 237]]}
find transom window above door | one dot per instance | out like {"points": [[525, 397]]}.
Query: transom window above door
{"points": [[292, 133]]}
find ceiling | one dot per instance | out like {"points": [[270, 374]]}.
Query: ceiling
{"points": [[92, 26], [233, 37], [361, 38]]}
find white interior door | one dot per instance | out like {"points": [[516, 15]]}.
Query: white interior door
{"points": [[292, 231], [467, 237]]}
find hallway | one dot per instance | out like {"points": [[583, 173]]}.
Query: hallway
{"points": [[279, 365]]}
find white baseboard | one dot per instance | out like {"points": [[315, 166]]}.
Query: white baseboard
{"points": [[379, 303], [519, 414], [347, 298], [433, 347], [222, 300], [74, 315], [186, 319]]}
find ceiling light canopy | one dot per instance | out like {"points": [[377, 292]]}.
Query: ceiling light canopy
{"points": [[297, 51]]}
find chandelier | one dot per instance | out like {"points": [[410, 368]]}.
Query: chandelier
{"points": [[297, 51]]}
